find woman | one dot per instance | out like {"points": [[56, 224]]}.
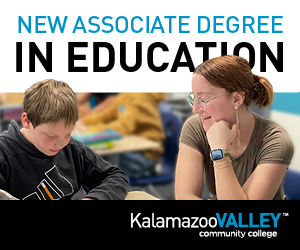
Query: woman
{"points": [[239, 154]]}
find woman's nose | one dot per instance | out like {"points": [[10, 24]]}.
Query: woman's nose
{"points": [[196, 109]]}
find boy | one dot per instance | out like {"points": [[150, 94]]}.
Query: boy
{"points": [[42, 161]]}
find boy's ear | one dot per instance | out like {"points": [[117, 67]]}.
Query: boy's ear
{"points": [[25, 121]]}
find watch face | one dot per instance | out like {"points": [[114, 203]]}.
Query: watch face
{"points": [[217, 154]]}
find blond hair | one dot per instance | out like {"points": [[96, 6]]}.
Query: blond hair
{"points": [[50, 101], [234, 74]]}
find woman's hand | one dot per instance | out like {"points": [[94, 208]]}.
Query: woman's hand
{"points": [[221, 135]]}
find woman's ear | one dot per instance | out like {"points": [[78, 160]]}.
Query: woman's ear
{"points": [[25, 121], [239, 98]]}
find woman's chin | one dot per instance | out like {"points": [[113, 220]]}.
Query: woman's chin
{"points": [[206, 124]]}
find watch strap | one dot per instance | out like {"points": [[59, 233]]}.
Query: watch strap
{"points": [[226, 153]]}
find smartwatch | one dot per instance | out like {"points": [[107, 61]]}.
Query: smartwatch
{"points": [[218, 154]]}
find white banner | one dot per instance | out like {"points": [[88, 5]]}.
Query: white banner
{"points": [[143, 46]]}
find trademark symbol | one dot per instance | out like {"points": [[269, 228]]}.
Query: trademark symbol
{"points": [[285, 214]]}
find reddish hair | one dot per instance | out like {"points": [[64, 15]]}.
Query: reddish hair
{"points": [[234, 74]]}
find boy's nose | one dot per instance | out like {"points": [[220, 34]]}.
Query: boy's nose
{"points": [[58, 144]]}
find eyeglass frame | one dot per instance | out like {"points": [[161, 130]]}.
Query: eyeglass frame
{"points": [[205, 101]]}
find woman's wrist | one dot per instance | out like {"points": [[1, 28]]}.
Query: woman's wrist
{"points": [[223, 163]]}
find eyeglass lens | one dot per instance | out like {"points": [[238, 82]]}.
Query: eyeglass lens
{"points": [[201, 103]]}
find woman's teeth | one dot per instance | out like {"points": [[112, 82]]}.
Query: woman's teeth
{"points": [[206, 117]]}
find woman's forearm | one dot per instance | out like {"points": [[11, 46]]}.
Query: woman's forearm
{"points": [[227, 185]]}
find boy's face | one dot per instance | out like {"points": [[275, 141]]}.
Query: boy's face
{"points": [[49, 138]]}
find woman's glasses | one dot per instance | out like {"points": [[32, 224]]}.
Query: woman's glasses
{"points": [[201, 102]]}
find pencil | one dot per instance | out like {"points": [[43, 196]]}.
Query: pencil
{"points": [[47, 191]]}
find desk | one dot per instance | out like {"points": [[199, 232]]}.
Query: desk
{"points": [[126, 144], [139, 195]]}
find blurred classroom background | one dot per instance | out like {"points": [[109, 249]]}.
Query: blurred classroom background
{"points": [[174, 110]]}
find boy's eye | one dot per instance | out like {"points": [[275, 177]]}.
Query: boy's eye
{"points": [[51, 137]]}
